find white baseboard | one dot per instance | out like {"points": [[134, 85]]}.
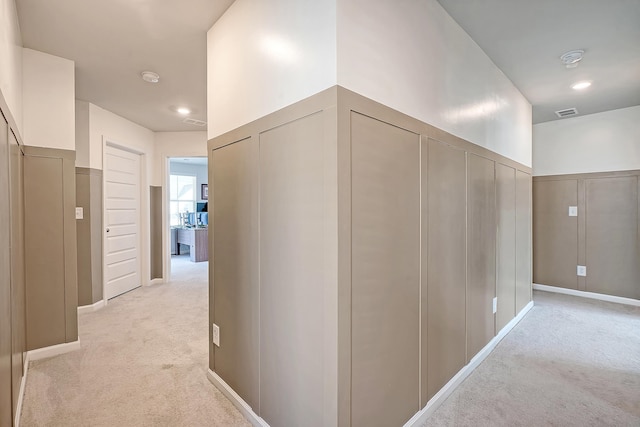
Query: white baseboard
{"points": [[54, 350], [237, 401], [23, 383], [422, 416], [584, 294], [155, 282], [91, 308]]}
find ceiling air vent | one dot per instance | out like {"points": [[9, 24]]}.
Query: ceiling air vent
{"points": [[194, 122], [567, 113]]}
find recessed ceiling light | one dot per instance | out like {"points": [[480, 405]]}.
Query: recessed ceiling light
{"points": [[581, 85], [184, 111], [150, 76]]}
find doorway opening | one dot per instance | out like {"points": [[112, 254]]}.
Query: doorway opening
{"points": [[188, 217]]}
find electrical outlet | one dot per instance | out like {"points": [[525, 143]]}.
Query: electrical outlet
{"points": [[216, 335], [79, 213], [582, 270], [495, 305], [573, 211]]}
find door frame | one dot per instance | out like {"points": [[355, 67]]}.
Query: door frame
{"points": [[143, 252], [166, 226]]}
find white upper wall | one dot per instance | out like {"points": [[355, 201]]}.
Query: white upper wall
{"points": [[11, 60], [83, 146], [107, 126], [409, 55], [412, 56], [601, 142], [181, 144], [177, 144], [265, 55], [48, 96]]}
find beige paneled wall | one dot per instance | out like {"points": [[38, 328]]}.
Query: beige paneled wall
{"points": [[89, 235], [18, 296], [523, 240], [430, 229], [234, 278], [604, 236], [292, 272], [555, 233], [446, 267], [95, 203], [506, 245], [272, 262], [5, 282], [481, 252], [12, 273], [155, 232], [50, 247], [385, 296], [612, 241]]}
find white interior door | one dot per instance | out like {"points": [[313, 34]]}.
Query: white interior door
{"points": [[122, 218]]}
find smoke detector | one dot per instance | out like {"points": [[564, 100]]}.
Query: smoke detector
{"points": [[570, 59], [150, 77]]}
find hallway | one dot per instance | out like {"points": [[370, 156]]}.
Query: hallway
{"points": [[143, 362], [570, 361]]}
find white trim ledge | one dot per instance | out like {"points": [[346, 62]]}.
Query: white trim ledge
{"points": [[237, 401], [54, 350], [157, 281], [91, 308], [423, 415], [23, 383], [583, 294]]}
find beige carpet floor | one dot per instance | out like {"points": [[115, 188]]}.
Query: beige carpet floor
{"points": [[143, 362], [570, 362]]}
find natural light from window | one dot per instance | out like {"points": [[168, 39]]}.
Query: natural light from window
{"points": [[182, 196]]}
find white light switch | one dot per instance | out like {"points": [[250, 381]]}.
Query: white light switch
{"points": [[216, 335], [582, 270], [79, 213], [573, 211], [495, 305]]}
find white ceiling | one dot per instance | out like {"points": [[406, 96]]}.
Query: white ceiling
{"points": [[113, 41], [525, 39]]}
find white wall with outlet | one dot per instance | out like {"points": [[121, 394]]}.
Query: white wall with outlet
{"points": [[599, 142]]}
